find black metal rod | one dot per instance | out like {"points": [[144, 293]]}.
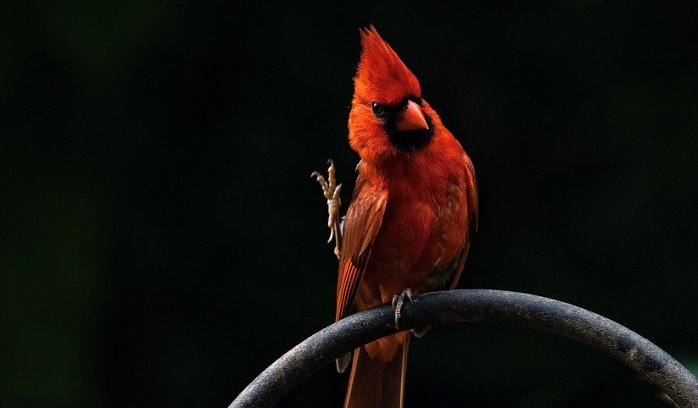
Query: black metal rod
{"points": [[473, 305]]}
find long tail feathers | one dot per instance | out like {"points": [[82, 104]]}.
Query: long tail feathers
{"points": [[376, 384]]}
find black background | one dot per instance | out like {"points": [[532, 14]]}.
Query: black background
{"points": [[162, 241]]}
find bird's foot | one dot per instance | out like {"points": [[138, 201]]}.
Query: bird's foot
{"points": [[331, 190], [398, 301]]}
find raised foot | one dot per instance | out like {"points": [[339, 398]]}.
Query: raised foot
{"points": [[331, 190], [398, 301]]}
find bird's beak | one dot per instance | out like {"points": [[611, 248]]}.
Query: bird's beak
{"points": [[411, 117]]}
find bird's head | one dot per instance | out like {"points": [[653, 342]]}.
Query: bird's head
{"points": [[388, 115]]}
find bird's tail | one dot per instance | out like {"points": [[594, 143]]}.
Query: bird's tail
{"points": [[377, 382]]}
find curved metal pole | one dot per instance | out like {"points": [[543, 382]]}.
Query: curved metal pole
{"points": [[473, 305]]}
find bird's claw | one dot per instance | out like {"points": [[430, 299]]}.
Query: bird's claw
{"points": [[398, 301], [331, 191]]}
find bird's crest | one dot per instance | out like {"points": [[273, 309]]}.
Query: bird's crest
{"points": [[382, 76]]}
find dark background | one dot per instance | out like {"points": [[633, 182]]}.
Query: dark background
{"points": [[162, 241]]}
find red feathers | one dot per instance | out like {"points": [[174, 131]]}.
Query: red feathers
{"points": [[411, 216], [382, 76]]}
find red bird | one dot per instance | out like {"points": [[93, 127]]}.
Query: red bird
{"points": [[411, 217]]}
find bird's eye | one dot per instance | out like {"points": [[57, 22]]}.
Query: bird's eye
{"points": [[378, 109]]}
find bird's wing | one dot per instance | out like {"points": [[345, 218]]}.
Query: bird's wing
{"points": [[361, 225], [471, 202]]}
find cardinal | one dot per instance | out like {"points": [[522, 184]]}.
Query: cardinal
{"points": [[410, 220]]}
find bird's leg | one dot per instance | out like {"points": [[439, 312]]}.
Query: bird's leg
{"points": [[331, 190], [398, 301]]}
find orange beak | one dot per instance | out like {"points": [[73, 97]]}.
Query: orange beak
{"points": [[410, 117]]}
